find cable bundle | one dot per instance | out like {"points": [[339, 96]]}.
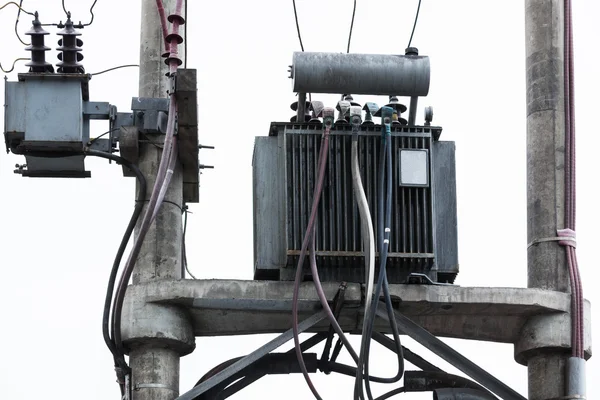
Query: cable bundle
{"points": [[361, 372]]}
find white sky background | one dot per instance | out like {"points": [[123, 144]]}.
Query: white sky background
{"points": [[58, 237]]}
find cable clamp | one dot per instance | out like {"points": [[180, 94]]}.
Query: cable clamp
{"points": [[139, 386], [566, 237]]}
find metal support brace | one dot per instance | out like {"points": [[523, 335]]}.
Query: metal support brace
{"points": [[251, 358], [409, 356], [450, 355]]}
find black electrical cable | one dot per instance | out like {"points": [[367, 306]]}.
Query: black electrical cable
{"points": [[114, 68], [17, 24], [101, 136], [391, 393], [370, 314], [382, 283], [183, 248], [20, 8], [92, 13], [414, 24], [297, 25], [386, 292], [351, 371], [6, 71], [119, 358], [351, 27], [64, 8]]}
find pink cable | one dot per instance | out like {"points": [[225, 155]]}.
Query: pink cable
{"points": [[163, 22], [168, 177], [577, 323], [324, 152]]}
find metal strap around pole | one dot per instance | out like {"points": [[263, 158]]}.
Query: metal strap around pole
{"points": [[432, 343], [251, 358]]}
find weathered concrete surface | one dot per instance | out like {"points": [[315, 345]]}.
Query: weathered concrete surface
{"points": [[155, 373], [546, 262], [159, 325], [229, 307], [157, 336]]}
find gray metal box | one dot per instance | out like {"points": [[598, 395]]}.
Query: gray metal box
{"points": [[46, 109], [424, 222], [50, 114]]}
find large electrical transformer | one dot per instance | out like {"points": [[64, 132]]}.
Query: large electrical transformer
{"points": [[423, 237]]}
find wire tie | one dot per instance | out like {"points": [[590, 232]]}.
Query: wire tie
{"points": [[139, 386], [566, 237], [166, 201]]}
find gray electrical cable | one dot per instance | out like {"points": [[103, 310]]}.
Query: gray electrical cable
{"points": [[366, 224], [367, 231], [168, 177]]}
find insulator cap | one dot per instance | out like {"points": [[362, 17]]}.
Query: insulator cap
{"points": [[396, 105], [70, 48], [175, 36], [294, 106], [349, 98], [176, 17], [37, 48], [175, 58]]}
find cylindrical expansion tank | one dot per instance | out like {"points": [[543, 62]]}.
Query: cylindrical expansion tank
{"points": [[375, 74]]}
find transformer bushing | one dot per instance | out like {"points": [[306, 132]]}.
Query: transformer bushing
{"points": [[37, 48], [70, 50]]}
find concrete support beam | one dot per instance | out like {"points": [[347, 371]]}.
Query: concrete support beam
{"points": [[532, 319]]}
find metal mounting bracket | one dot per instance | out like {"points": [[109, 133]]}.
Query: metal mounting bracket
{"points": [[432, 343]]}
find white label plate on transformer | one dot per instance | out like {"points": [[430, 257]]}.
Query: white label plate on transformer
{"points": [[414, 167]]}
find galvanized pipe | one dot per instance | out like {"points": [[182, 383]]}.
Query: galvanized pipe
{"points": [[374, 74], [412, 112], [575, 379], [301, 108]]}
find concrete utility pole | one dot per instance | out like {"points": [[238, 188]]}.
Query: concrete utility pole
{"points": [[546, 262], [162, 333]]}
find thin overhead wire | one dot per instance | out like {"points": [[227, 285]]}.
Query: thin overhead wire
{"points": [[298, 25], [183, 248], [91, 13], [414, 24], [17, 25], [351, 27], [13, 65], [101, 136], [114, 68], [20, 8]]}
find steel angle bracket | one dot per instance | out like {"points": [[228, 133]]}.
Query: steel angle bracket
{"points": [[432, 343], [251, 358]]}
